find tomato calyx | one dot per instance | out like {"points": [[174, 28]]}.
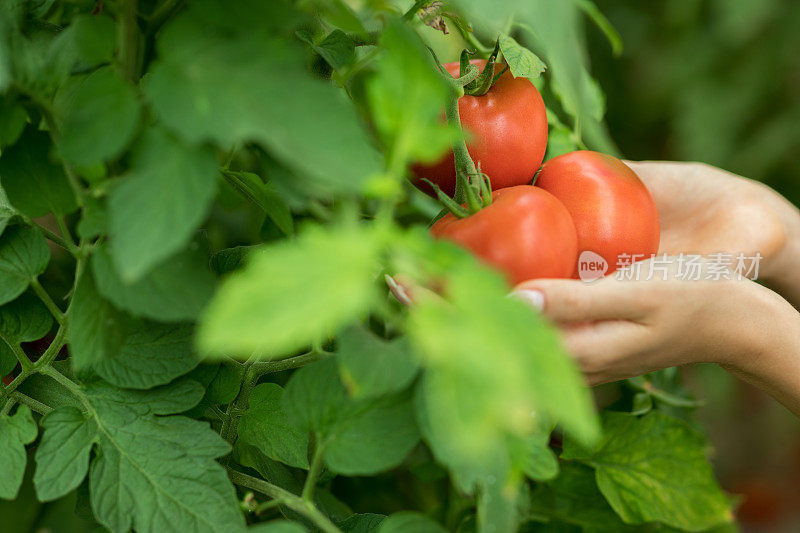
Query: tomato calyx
{"points": [[477, 194], [481, 85]]}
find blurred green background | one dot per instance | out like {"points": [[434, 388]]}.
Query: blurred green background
{"points": [[718, 81]]}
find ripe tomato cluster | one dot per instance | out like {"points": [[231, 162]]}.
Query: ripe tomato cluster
{"points": [[581, 201]]}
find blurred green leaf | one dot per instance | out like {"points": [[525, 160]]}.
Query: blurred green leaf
{"points": [[97, 115], [23, 256], [34, 184], [600, 20], [292, 293], [174, 291], [277, 526], [336, 48], [155, 209], [370, 366], [94, 38], [262, 194], [13, 119], [409, 522], [196, 89], [16, 431], [357, 437], [407, 97]]}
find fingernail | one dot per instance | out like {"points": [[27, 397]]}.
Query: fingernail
{"points": [[398, 290], [532, 297]]}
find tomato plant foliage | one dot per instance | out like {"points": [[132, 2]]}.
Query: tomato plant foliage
{"points": [[198, 204]]}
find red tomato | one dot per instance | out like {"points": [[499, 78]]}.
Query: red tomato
{"points": [[8, 379], [508, 125], [525, 233], [613, 211]]}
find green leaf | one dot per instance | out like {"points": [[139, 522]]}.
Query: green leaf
{"points": [[362, 523], [34, 184], [96, 329], [407, 95], [370, 366], [573, 497], [195, 88], [94, 38], [151, 354], [253, 188], [173, 398], [98, 116], [225, 385], [13, 119], [358, 437], [94, 219], [23, 256], [24, 319], [555, 29], [497, 506], [472, 398], [292, 293], [155, 209], [266, 426], [149, 473], [15, 432], [277, 526], [62, 458], [492, 16], [336, 48], [600, 20], [521, 62], [230, 259], [174, 291], [7, 359], [636, 465], [409, 522], [7, 213]]}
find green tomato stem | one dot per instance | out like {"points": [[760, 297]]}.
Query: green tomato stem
{"points": [[313, 473], [288, 499], [57, 313]]}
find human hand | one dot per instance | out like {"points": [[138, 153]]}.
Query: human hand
{"points": [[617, 329], [706, 210]]}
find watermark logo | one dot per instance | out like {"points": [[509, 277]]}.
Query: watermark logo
{"points": [[686, 267], [591, 266]]}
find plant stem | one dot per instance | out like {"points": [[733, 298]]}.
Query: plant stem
{"points": [[288, 499], [313, 473], [11, 387], [21, 356], [49, 235], [7, 407], [51, 353], [62, 380], [463, 161], [62, 226], [271, 367], [35, 405], [57, 313], [128, 39]]}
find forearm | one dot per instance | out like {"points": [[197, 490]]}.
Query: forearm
{"points": [[770, 358]]}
